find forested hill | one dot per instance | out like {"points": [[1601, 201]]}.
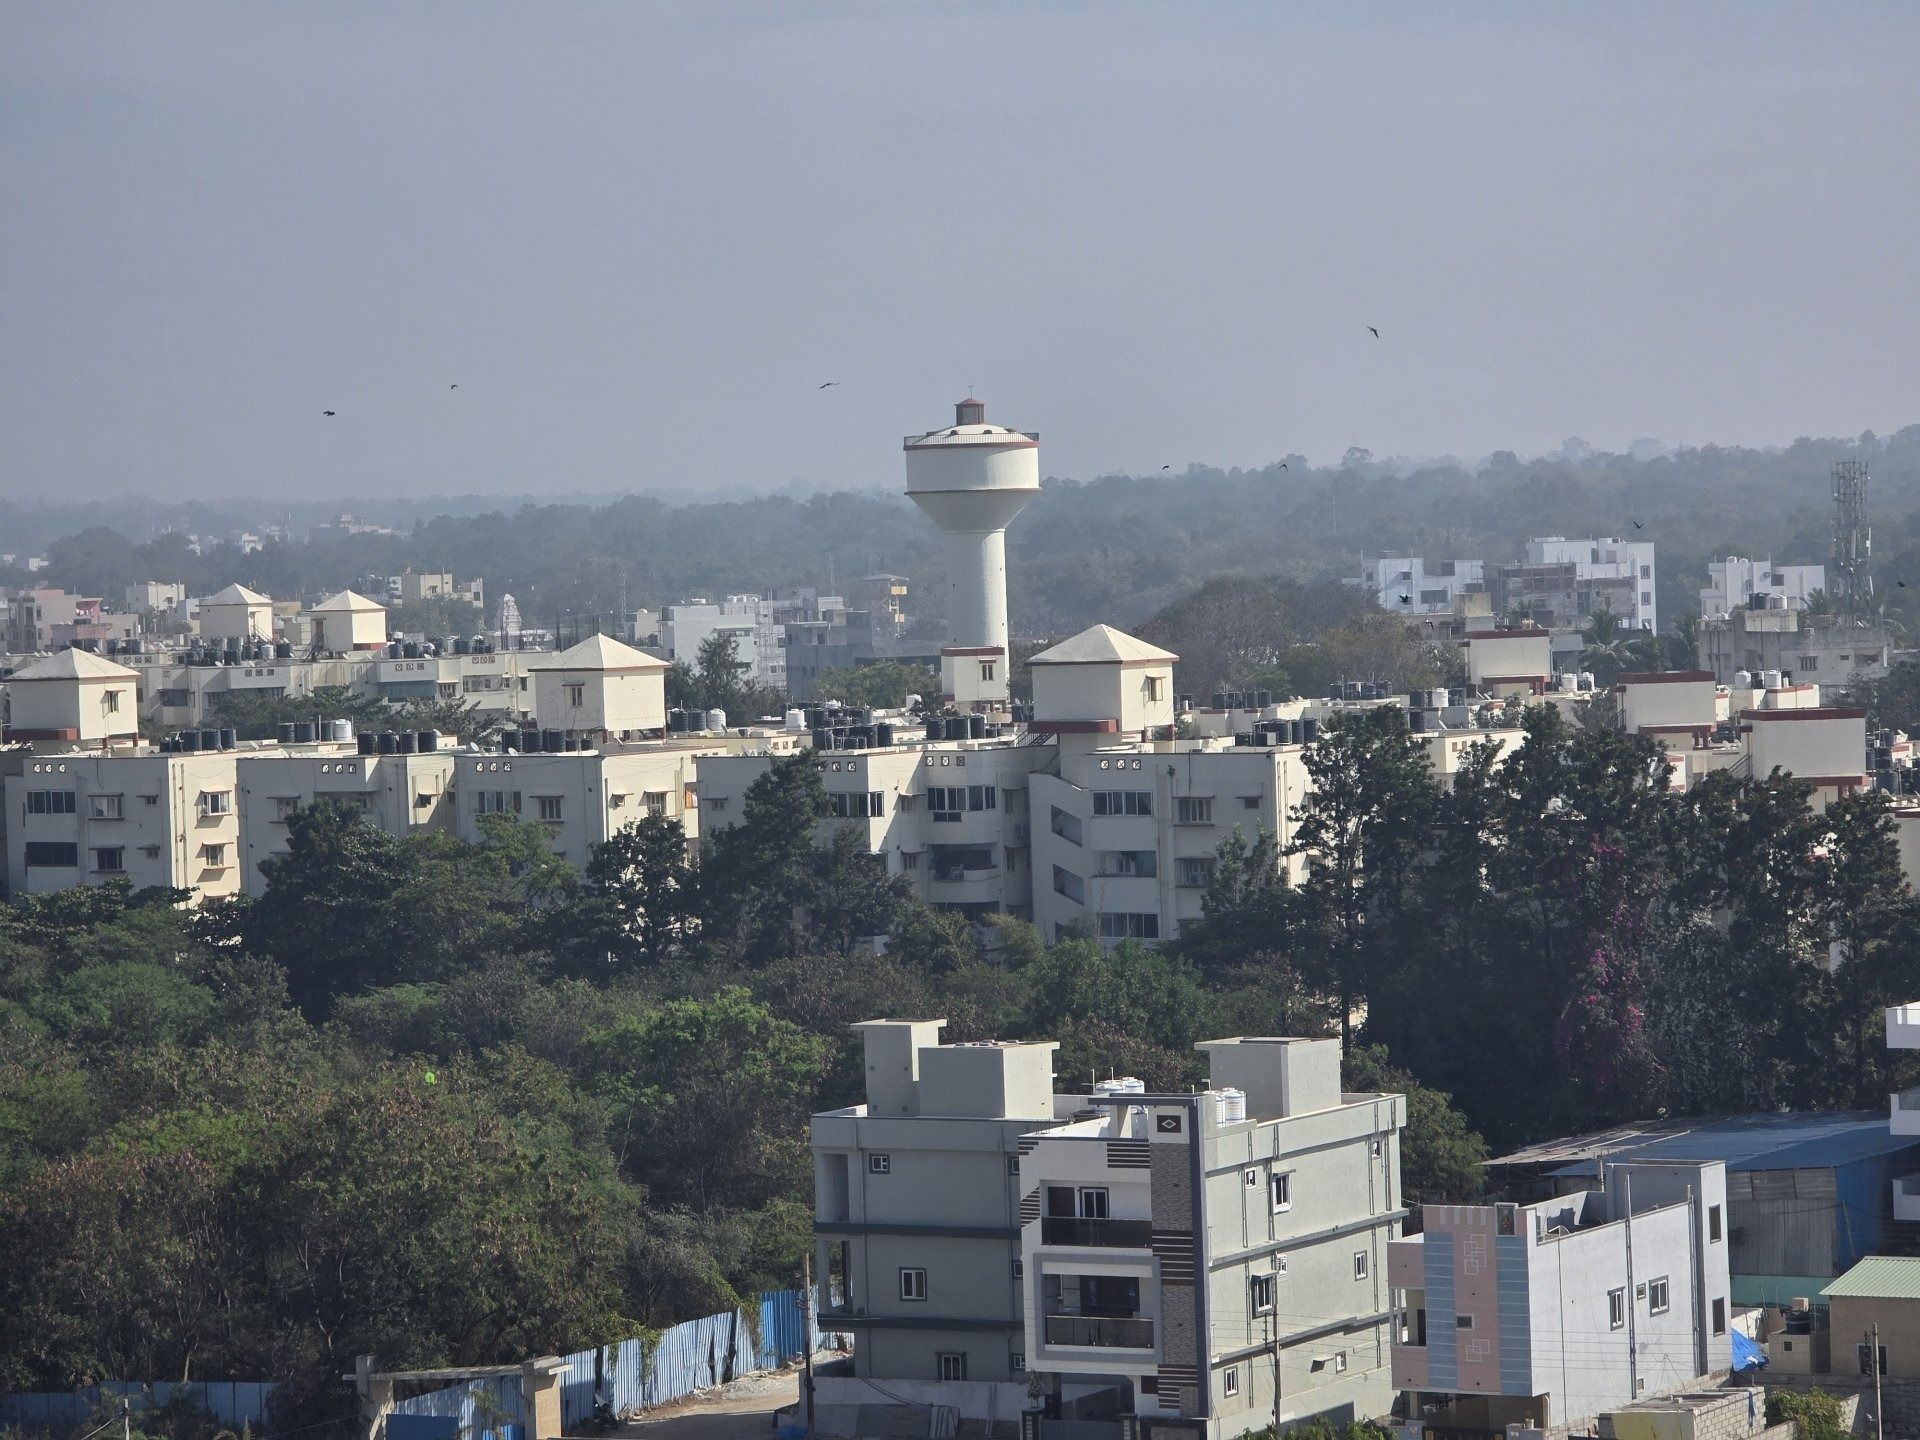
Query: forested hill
{"points": [[1116, 548]]}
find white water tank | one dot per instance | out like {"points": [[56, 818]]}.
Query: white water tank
{"points": [[1438, 699], [1566, 682], [1586, 679], [716, 720], [1743, 679], [796, 723], [1231, 1105], [1125, 1085], [1770, 679], [343, 730]]}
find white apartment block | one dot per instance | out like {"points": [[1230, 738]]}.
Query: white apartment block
{"points": [[1410, 585], [747, 618], [1734, 584], [1608, 559], [1544, 1315], [1195, 1263]]}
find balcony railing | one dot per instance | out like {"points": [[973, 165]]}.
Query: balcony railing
{"points": [[1105, 1331], [1109, 1234]]}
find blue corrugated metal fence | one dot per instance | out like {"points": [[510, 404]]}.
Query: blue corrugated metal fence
{"points": [[630, 1375]]}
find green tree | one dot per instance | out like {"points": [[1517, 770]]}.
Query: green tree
{"points": [[637, 903], [759, 876], [879, 683], [1442, 1160]]}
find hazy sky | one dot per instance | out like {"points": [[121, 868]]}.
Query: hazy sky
{"points": [[638, 236]]}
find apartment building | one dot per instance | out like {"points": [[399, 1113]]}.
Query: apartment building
{"points": [[1410, 585], [1828, 649], [1543, 1315], [155, 595], [1193, 1263], [1607, 560], [1739, 584], [581, 797], [748, 619]]}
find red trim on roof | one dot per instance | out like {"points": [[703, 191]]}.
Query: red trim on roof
{"points": [[1663, 677], [1816, 712], [1074, 727], [13, 732]]}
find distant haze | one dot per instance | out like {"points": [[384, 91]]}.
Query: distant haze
{"points": [[638, 237]]}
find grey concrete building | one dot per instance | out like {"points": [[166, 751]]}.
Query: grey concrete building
{"points": [[1545, 1315], [1137, 1264], [1828, 650]]}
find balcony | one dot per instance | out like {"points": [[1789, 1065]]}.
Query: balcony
{"points": [[1906, 1198], [1903, 1027], [1904, 1112], [1104, 1332], [1105, 1234]]}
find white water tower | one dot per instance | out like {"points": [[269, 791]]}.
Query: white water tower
{"points": [[972, 479]]}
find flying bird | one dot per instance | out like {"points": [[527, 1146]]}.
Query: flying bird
{"points": [[1283, 464], [1376, 332], [326, 412], [1638, 526], [1901, 583], [454, 386], [1406, 599], [828, 385], [1166, 467]]}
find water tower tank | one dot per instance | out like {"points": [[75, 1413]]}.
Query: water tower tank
{"points": [[1232, 1105], [716, 720]]}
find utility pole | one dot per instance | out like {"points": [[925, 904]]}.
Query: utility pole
{"points": [[126, 1418], [1873, 1359], [806, 1333], [1273, 1344]]}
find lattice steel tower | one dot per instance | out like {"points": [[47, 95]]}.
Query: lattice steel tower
{"points": [[1851, 583]]}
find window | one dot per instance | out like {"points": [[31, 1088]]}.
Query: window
{"points": [[283, 808], [654, 802], [150, 852], [1133, 864], [1260, 1294], [106, 807], [1252, 1177], [856, 805], [1713, 1223], [1093, 1202], [879, 1164], [986, 669], [1066, 883], [1280, 1191], [1617, 1309], [1230, 1380], [498, 802], [216, 802], [953, 1364], [1866, 1366], [913, 1284], [576, 695], [716, 804], [1193, 810], [1156, 685], [110, 860], [1123, 802], [214, 856], [909, 859], [1249, 802], [1019, 1268], [1129, 925], [949, 802], [1017, 1362], [1463, 1322], [552, 807], [1196, 871], [50, 802], [1359, 1264], [110, 701], [1013, 1165], [1657, 1298], [1719, 1315], [52, 854], [149, 799], [1339, 1361]]}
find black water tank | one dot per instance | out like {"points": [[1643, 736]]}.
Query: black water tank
{"points": [[822, 738], [883, 734], [1309, 729], [410, 650], [367, 741], [403, 743], [386, 743], [189, 742], [283, 650], [553, 741], [429, 741], [284, 732], [1416, 721], [228, 737], [393, 650], [936, 728], [976, 727], [1219, 699]]}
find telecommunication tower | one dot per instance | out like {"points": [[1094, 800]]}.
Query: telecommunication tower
{"points": [[1851, 582]]}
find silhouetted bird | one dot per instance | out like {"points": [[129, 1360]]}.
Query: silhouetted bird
{"points": [[1376, 333], [326, 412], [1166, 467], [1283, 464], [1406, 599], [1638, 526], [453, 386], [1901, 583], [828, 385]]}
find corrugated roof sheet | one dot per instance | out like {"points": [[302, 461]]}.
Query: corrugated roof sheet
{"points": [[1767, 1140], [1880, 1277]]}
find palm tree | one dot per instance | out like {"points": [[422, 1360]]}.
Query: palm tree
{"points": [[1613, 647]]}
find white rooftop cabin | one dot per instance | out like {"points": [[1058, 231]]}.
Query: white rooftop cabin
{"points": [[601, 685], [349, 621], [236, 613], [73, 697], [1103, 683]]}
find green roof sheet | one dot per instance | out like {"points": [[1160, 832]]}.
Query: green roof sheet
{"points": [[1880, 1277]]}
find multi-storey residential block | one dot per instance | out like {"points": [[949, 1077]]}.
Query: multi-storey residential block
{"points": [[1542, 1315], [1612, 560], [1201, 1263], [1737, 584], [747, 619], [1409, 585], [1827, 649]]}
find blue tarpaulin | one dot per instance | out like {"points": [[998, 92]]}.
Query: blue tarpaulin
{"points": [[1747, 1354]]}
